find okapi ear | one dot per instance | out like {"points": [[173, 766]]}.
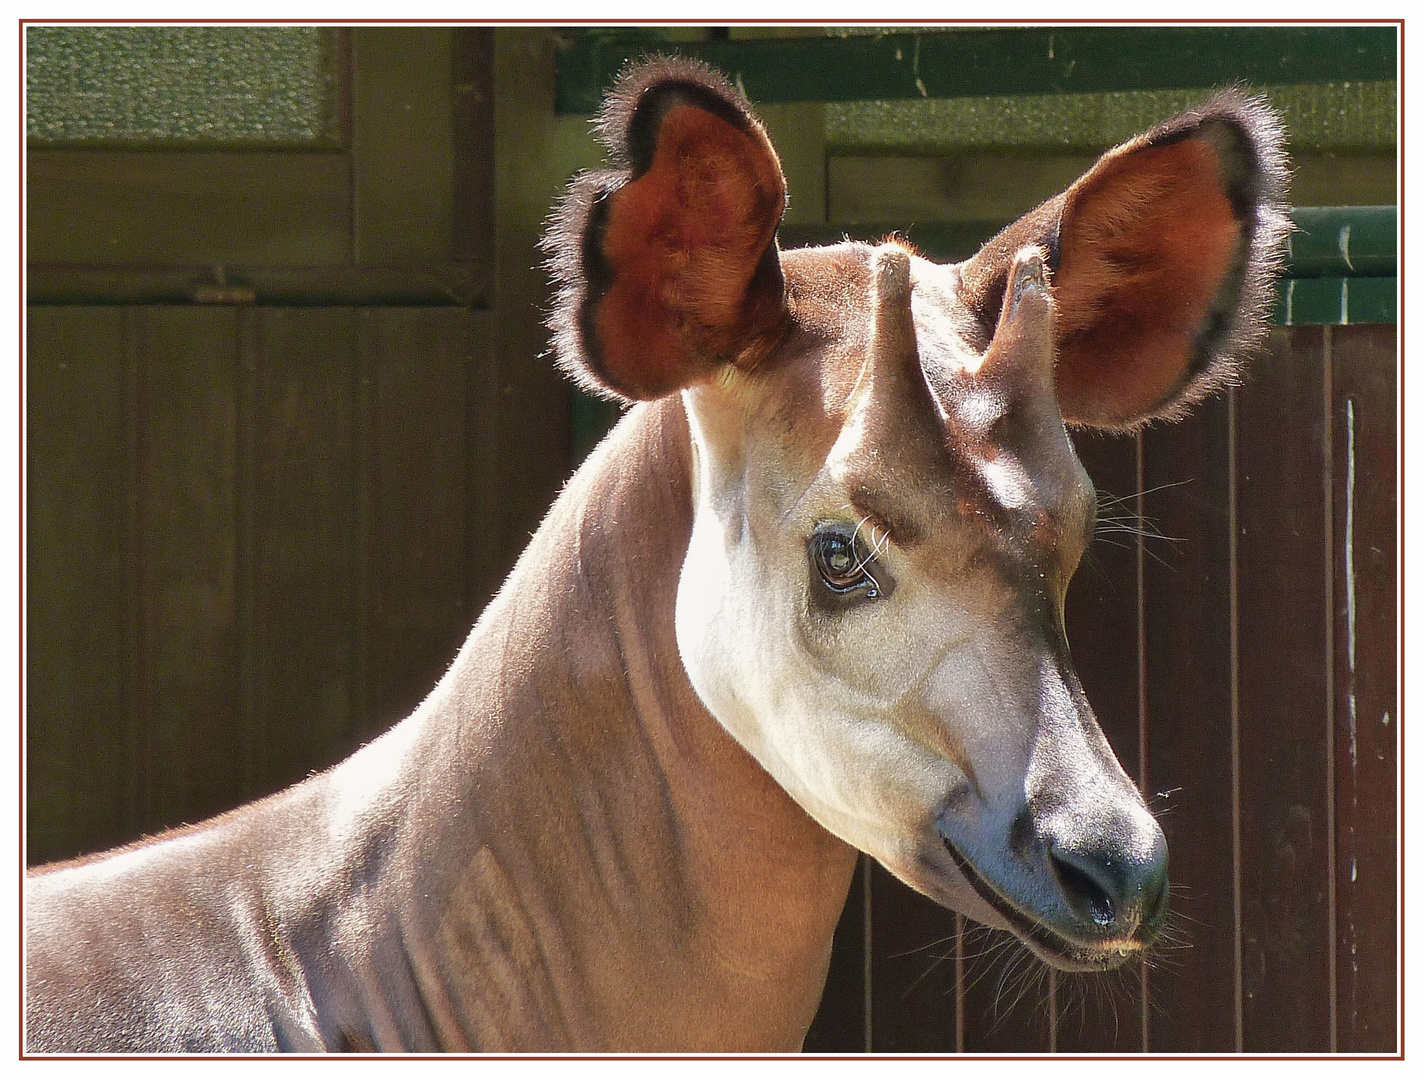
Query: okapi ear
{"points": [[667, 263], [1165, 255]]}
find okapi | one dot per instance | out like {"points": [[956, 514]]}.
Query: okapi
{"points": [[805, 600]]}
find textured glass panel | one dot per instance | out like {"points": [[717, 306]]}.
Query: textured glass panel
{"points": [[206, 86], [1329, 116]]}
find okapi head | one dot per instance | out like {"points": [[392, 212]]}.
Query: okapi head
{"points": [[888, 509]]}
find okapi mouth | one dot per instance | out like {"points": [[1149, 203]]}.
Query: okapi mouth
{"points": [[1050, 945]]}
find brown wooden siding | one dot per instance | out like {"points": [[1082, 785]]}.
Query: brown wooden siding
{"points": [[1241, 658], [255, 541], [1366, 727], [247, 548]]}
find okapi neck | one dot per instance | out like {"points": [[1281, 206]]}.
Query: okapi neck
{"points": [[598, 830]]}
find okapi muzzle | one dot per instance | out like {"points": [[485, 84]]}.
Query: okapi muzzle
{"points": [[1059, 844]]}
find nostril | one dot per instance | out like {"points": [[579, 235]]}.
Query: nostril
{"points": [[1085, 895]]}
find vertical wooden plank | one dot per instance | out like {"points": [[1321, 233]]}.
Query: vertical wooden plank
{"points": [[78, 554], [1005, 992], [251, 720], [304, 540], [1283, 550], [912, 970], [189, 371], [1103, 1013], [839, 1024], [1366, 708], [472, 54], [137, 677], [533, 398], [484, 570], [414, 361], [1188, 641]]}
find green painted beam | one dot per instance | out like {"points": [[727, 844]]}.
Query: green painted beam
{"points": [[1343, 241], [983, 62], [1337, 301], [1330, 242]]}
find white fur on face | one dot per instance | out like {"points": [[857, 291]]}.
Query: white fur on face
{"points": [[838, 708], [935, 721]]}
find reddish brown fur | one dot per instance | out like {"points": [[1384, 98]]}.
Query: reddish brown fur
{"points": [[667, 263]]}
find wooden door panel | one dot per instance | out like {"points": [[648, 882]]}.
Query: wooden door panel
{"points": [[1190, 725], [79, 557], [1363, 360], [1096, 1014], [248, 549], [189, 209], [416, 511], [187, 496], [913, 968], [300, 575], [1283, 663], [397, 209], [1007, 1005]]}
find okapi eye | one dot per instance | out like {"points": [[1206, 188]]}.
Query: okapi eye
{"points": [[843, 563]]}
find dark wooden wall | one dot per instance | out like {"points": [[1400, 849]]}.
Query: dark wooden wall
{"points": [[267, 562], [1242, 663], [253, 544]]}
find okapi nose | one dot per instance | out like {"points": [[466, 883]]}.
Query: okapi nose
{"points": [[1114, 889]]}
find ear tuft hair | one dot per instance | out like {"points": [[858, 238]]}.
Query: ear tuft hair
{"points": [[627, 125]]}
